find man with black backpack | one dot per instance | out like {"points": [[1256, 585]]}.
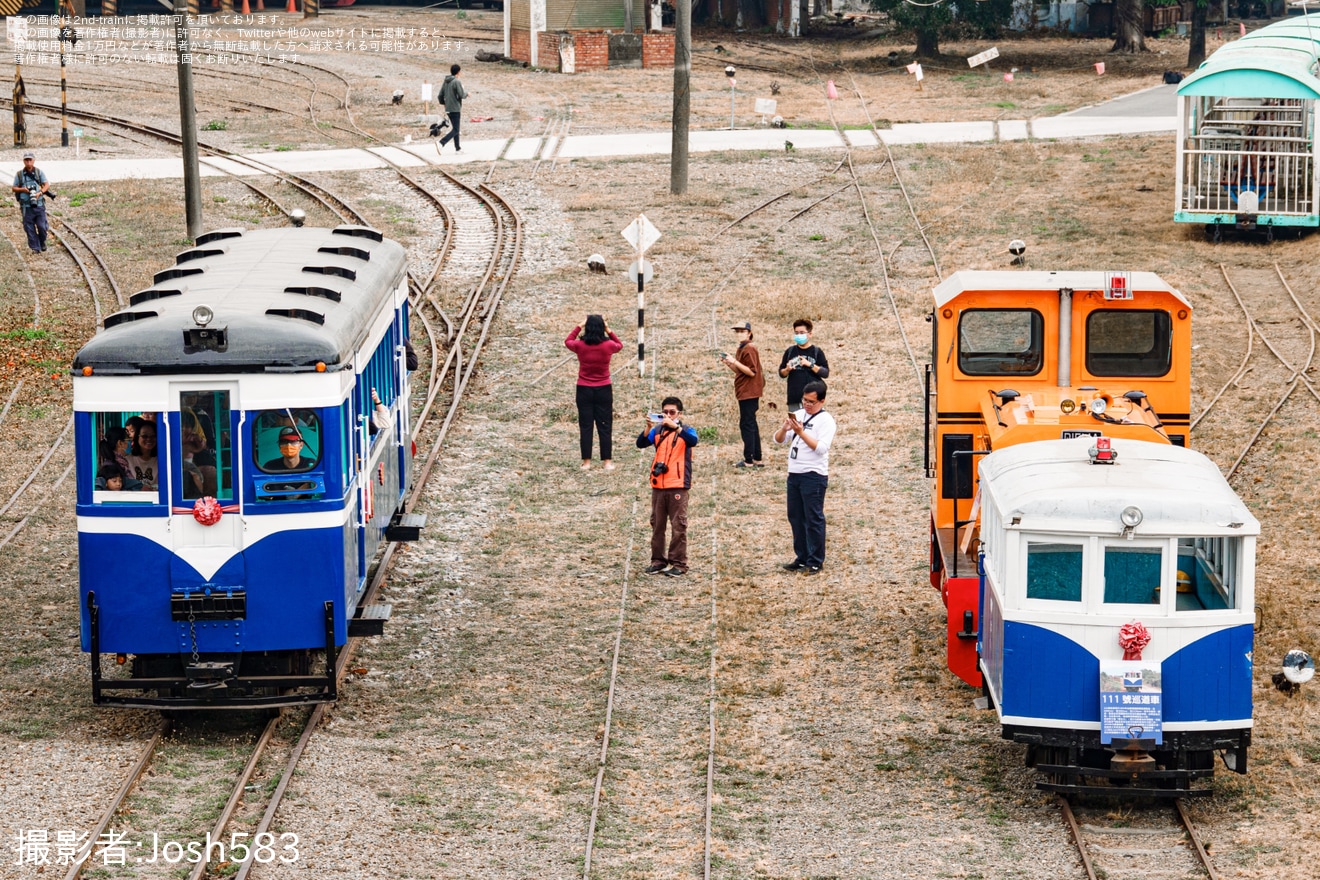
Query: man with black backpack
{"points": [[31, 188]]}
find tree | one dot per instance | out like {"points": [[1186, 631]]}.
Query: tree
{"points": [[1128, 36], [1196, 41], [929, 20]]}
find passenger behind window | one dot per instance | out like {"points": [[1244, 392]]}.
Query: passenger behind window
{"points": [[113, 450], [109, 479], [291, 457], [198, 478], [142, 459], [380, 415]]}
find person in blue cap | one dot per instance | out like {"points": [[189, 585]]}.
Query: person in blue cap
{"points": [[30, 188]]}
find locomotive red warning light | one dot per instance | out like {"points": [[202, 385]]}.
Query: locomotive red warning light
{"points": [[1118, 286], [1102, 453]]}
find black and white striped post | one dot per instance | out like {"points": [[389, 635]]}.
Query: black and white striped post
{"points": [[641, 234]]}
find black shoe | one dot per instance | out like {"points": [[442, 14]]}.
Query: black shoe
{"points": [[656, 568], [742, 464], [811, 569], [676, 572], [793, 566]]}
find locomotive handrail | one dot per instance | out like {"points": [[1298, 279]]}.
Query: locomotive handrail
{"points": [[956, 523]]}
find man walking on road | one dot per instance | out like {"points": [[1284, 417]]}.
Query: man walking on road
{"points": [[30, 188], [452, 94], [810, 433]]}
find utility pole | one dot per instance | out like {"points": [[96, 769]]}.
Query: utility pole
{"points": [[192, 176], [67, 35], [678, 151]]}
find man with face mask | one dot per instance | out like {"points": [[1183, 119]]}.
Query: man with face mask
{"points": [[802, 362]]}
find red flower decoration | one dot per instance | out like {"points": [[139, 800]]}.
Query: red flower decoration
{"points": [[207, 511], [1132, 638]]}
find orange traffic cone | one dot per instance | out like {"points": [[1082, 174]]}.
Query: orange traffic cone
{"points": [[292, 7], [261, 7], [247, 10]]}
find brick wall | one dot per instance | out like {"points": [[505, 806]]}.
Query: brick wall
{"points": [[657, 50], [520, 45], [592, 49], [548, 50]]}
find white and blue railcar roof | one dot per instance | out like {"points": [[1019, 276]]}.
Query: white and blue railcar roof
{"points": [[1276, 61], [961, 282], [1052, 486], [285, 299]]}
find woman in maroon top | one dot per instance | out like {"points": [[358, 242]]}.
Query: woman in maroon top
{"points": [[594, 345]]}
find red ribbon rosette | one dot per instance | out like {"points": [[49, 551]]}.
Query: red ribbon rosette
{"points": [[1132, 638], [207, 511]]}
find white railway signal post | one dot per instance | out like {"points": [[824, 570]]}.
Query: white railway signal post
{"points": [[641, 234]]}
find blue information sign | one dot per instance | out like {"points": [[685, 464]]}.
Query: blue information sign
{"points": [[1131, 702]]}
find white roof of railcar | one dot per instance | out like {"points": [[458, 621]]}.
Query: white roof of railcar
{"points": [[1052, 486], [961, 282]]}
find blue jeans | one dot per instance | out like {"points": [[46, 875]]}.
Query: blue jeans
{"points": [[34, 224], [806, 515]]}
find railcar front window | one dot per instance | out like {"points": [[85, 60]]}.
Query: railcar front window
{"points": [[1129, 342], [123, 460], [1001, 342], [1208, 573], [286, 440], [1054, 571], [204, 445], [1132, 575]]}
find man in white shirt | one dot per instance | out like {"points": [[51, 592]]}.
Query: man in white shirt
{"points": [[809, 432]]}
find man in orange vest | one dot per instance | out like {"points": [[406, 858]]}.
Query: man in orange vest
{"points": [[671, 478]]}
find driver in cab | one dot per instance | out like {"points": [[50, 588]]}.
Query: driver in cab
{"points": [[291, 457]]}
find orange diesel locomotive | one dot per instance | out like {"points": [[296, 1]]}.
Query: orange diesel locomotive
{"points": [[1021, 356]]}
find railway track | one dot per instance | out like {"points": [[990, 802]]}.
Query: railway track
{"points": [[1280, 350], [1137, 843]]}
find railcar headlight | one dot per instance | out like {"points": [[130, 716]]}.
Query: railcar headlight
{"points": [[1067, 406], [1098, 406], [1131, 516], [202, 315]]}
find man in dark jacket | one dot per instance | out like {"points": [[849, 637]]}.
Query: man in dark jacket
{"points": [[453, 93], [671, 478]]}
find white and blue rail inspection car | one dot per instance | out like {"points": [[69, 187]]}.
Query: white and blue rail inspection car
{"points": [[1246, 133], [224, 551], [1117, 594]]}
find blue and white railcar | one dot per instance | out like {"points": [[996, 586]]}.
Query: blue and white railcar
{"points": [[1074, 551], [1246, 133], [229, 565]]}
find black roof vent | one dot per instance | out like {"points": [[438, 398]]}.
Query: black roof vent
{"points": [[148, 295], [197, 254], [218, 235], [301, 314], [358, 231], [171, 274], [345, 251], [326, 292], [124, 317], [332, 270]]}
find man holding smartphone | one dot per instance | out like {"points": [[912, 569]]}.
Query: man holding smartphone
{"points": [[802, 362], [809, 432]]}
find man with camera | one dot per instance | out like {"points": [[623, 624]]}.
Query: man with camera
{"points": [[802, 362], [671, 478], [31, 189], [809, 432]]}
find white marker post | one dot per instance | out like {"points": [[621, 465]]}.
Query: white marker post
{"points": [[641, 235], [426, 99]]}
